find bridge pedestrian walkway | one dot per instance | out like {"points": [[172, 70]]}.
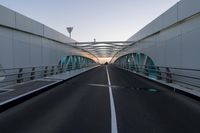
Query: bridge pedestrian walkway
{"points": [[17, 92], [84, 104]]}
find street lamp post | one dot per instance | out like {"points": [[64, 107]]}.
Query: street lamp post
{"points": [[69, 29]]}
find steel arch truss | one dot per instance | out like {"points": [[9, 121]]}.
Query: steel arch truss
{"points": [[137, 62], [75, 62]]}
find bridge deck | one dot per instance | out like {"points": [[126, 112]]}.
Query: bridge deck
{"points": [[82, 105]]}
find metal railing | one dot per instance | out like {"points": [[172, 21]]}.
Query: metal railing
{"points": [[186, 77], [18, 75]]}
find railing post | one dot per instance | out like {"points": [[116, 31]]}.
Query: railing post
{"points": [[131, 67], [137, 69], [33, 73], [19, 76], [146, 71], [45, 71], [57, 71], [168, 75], [52, 70], [159, 77], [70, 67], [60, 69], [79, 65]]}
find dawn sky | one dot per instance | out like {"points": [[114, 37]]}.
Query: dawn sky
{"points": [[101, 19]]}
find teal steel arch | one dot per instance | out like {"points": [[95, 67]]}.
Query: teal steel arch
{"points": [[75, 62], [138, 62]]}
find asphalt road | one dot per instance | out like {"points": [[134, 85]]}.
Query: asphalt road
{"points": [[143, 107], [82, 105]]}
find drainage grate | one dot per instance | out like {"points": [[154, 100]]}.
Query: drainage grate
{"points": [[125, 87], [4, 90], [147, 89], [103, 85]]}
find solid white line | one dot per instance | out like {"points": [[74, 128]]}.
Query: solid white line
{"points": [[112, 106]]}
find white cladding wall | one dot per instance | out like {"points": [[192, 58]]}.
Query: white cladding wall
{"points": [[25, 42], [173, 39]]}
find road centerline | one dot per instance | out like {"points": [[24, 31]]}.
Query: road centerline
{"points": [[112, 106]]}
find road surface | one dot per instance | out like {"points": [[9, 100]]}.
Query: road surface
{"points": [[84, 105]]}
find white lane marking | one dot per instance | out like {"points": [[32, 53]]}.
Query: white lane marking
{"points": [[112, 105], [103, 85]]}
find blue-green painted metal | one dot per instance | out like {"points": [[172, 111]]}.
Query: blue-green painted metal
{"points": [[137, 62], [75, 62]]}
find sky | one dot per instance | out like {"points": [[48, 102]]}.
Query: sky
{"points": [[104, 20]]}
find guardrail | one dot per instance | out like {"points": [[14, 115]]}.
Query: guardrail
{"points": [[18, 75], [186, 77]]}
